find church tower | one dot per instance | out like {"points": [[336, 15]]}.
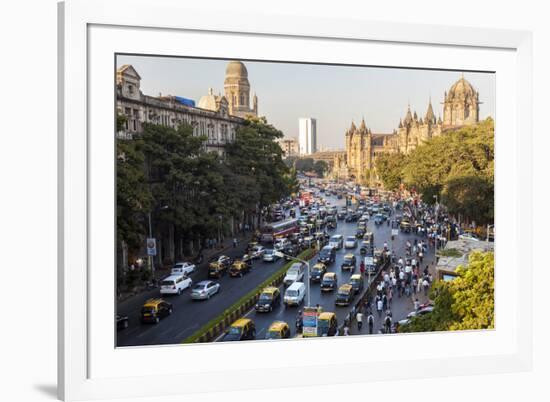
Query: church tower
{"points": [[461, 105], [237, 90]]}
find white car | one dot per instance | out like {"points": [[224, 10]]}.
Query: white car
{"points": [[184, 268], [280, 244], [257, 252], [468, 236], [294, 274], [270, 255], [175, 284], [351, 242]]}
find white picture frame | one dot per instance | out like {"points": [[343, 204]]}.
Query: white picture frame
{"points": [[92, 31]]}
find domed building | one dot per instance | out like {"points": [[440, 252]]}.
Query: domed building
{"points": [[237, 91], [461, 105], [460, 108]]}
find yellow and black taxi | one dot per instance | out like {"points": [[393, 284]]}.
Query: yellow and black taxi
{"points": [[327, 324], [317, 272], [344, 295], [241, 330], [366, 247], [278, 330], [155, 309], [329, 282], [356, 282], [218, 266], [350, 262], [269, 299], [240, 267], [369, 238]]}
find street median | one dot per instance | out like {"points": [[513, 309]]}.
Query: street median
{"points": [[215, 327]]}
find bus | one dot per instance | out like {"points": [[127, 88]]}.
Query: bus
{"points": [[274, 230]]}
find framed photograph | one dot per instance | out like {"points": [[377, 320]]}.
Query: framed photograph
{"points": [[279, 197]]}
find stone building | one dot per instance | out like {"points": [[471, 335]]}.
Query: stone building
{"points": [[289, 146], [216, 117], [460, 108], [237, 91]]}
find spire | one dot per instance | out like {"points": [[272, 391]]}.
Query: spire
{"points": [[415, 116], [408, 116], [430, 116], [353, 127], [400, 123], [363, 126]]}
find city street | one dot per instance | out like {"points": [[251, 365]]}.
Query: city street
{"points": [[188, 315]]}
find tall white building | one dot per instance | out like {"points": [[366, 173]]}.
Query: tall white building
{"points": [[307, 137]]}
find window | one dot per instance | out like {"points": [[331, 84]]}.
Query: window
{"points": [[135, 125], [131, 89]]}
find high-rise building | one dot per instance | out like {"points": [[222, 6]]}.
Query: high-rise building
{"points": [[307, 137], [289, 146]]}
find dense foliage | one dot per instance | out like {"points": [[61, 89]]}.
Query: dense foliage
{"points": [[457, 166], [310, 165], [466, 302], [193, 194]]}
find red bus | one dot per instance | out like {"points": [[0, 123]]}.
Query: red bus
{"points": [[271, 231]]}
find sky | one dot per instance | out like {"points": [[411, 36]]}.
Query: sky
{"points": [[334, 95]]}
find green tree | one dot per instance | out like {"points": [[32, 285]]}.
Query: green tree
{"points": [[304, 164], [389, 167], [320, 167], [466, 302]]}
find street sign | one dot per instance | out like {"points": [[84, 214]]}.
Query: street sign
{"points": [[310, 321], [394, 232], [369, 261], [151, 246]]}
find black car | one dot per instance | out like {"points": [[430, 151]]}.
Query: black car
{"points": [[121, 322], [327, 255], [317, 272], [360, 233], [341, 215], [292, 250], [352, 218]]}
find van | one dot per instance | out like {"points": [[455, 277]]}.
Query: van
{"points": [[337, 241], [174, 284], [295, 294]]}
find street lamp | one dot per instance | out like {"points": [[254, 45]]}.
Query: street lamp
{"points": [[279, 254]]}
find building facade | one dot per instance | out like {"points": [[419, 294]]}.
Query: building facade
{"points": [[215, 117], [289, 146], [307, 135], [237, 91], [460, 108]]}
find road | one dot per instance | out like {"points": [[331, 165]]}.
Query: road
{"points": [[400, 308], [189, 315]]}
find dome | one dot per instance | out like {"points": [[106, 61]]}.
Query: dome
{"points": [[236, 69], [461, 89]]}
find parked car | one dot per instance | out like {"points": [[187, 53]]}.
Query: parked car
{"points": [[268, 300], [278, 330], [219, 266], [294, 274], [205, 290], [121, 322], [241, 330], [184, 268], [270, 255], [349, 263], [356, 282], [317, 272], [329, 282], [344, 296], [175, 284], [351, 242], [155, 309], [240, 267]]}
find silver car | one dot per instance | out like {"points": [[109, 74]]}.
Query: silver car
{"points": [[204, 290]]}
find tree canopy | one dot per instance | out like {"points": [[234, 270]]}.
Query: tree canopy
{"points": [[466, 302], [458, 166]]}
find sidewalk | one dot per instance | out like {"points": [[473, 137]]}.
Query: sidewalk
{"points": [[208, 254]]}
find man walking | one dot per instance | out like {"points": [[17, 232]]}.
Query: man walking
{"points": [[359, 318], [379, 307], [370, 321]]}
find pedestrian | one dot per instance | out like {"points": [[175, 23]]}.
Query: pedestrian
{"points": [[370, 321], [362, 268], [234, 242], [390, 296], [346, 331], [359, 318], [425, 285], [379, 307], [387, 324], [384, 301]]}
